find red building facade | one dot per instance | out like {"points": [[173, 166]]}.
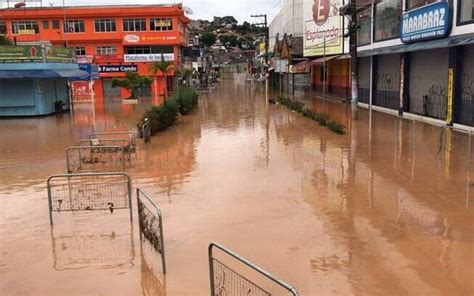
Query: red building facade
{"points": [[115, 38]]}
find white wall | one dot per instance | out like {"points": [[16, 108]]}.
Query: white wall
{"points": [[289, 20]]}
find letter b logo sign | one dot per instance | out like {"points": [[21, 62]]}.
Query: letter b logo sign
{"points": [[320, 11]]}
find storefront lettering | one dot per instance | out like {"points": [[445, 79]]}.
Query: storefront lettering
{"points": [[321, 34], [118, 68], [427, 22]]}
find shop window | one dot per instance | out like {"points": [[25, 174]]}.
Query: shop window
{"points": [[106, 50], [162, 24], [80, 51], [323, 73], [363, 19], [74, 26], [25, 27], [105, 25], [411, 4], [466, 11], [3, 27], [55, 25], [134, 25], [45, 25], [387, 19]]}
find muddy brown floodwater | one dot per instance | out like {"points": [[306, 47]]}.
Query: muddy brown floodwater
{"points": [[386, 209]]}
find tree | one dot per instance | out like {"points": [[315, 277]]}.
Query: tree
{"points": [[229, 20], [132, 83], [4, 40], [208, 39], [164, 67]]}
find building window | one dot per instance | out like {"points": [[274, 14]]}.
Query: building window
{"points": [[466, 11], [80, 51], [418, 3], [363, 19], [55, 25], [105, 25], [387, 19], [3, 27], [25, 27], [148, 49], [74, 26], [45, 25], [162, 24], [106, 50], [134, 25]]}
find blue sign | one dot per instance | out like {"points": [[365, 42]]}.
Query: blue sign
{"points": [[91, 69], [424, 23]]}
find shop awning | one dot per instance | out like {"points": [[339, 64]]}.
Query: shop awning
{"points": [[321, 61], [42, 74], [301, 64], [433, 44]]}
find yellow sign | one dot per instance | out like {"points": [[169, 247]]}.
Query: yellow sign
{"points": [[449, 115], [323, 28], [26, 32], [162, 23]]}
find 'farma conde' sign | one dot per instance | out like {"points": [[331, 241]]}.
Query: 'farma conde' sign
{"points": [[424, 23]]}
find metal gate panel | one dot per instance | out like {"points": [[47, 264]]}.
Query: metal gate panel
{"points": [[109, 91], [428, 82], [88, 192], [94, 159], [225, 280], [130, 136], [387, 92], [466, 108]]}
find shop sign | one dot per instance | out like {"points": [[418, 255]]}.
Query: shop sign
{"points": [[323, 28], [117, 68], [424, 23], [20, 54], [298, 69], [108, 58], [91, 69], [26, 32], [60, 54], [131, 38], [152, 57], [84, 59]]}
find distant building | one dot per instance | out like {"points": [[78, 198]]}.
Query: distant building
{"points": [[115, 38]]}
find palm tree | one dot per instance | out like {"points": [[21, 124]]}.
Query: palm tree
{"points": [[164, 67]]}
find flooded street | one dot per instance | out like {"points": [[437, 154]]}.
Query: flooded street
{"points": [[385, 209]]}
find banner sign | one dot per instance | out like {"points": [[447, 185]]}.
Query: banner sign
{"points": [[424, 23], [152, 57], [323, 28], [60, 54], [117, 68], [84, 59], [91, 69], [20, 54]]}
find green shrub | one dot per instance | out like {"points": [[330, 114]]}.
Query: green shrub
{"points": [[336, 127], [187, 99], [160, 117]]}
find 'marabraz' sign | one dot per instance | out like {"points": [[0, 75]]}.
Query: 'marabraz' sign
{"points": [[428, 22]]}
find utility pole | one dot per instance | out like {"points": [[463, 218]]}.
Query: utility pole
{"points": [[265, 25], [350, 10]]}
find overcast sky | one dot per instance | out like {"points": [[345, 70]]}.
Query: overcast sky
{"points": [[203, 9]]}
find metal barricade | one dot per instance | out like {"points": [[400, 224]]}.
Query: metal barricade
{"points": [[131, 136], [151, 224], [93, 159], [124, 143], [226, 281], [88, 192]]}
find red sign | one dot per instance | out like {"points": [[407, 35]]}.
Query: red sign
{"points": [[80, 89], [109, 58], [321, 11]]}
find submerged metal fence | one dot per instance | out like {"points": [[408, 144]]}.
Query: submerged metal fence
{"points": [[226, 281], [151, 224], [130, 136], [105, 250], [93, 159], [88, 192]]}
